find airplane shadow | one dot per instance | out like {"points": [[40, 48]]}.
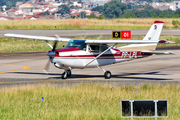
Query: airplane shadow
{"points": [[114, 76]]}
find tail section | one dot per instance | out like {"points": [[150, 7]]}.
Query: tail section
{"points": [[155, 31], [153, 34]]}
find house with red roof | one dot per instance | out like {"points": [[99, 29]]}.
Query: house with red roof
{"points": [[26, 5]]}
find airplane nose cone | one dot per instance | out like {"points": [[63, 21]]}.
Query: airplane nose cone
{"points": [[51, 54]]}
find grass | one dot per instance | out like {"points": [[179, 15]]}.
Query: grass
{"points": [[85, 24], [23, 45], [83, 101]]}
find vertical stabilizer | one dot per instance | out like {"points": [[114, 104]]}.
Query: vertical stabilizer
{"points": [[155, 31], [153, 34]]}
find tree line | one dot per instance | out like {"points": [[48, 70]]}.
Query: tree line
{"points": [[10, 3], [115, 9]]}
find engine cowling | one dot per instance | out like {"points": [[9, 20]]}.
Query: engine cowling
{"points": [[59, 65]]}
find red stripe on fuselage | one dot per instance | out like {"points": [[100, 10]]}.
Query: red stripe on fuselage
{"points": [[66, 49], [118, 55]]}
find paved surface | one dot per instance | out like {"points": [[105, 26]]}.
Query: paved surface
{"points": [[27, 68], [81, 32]]}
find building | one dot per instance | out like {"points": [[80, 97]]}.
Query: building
{"points": [[162, 5], [97, 2], [176, 5], [26, 5]]}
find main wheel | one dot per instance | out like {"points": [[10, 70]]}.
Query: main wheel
{"points": [[64, 75], [107, 75], [68, 73]]}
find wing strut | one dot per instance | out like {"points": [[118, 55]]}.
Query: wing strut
{"points": [[99, 55], [48, 44]]}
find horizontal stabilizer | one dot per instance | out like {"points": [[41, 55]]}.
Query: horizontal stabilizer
{"points": [[158, 53]]}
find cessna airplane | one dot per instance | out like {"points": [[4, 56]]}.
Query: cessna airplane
{"points": [[80, 54]]}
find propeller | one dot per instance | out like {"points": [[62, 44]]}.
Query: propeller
{"points": [[46, 68], [54, 46]]}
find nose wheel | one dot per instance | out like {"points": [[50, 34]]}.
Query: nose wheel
{"points": [[66, 73]]}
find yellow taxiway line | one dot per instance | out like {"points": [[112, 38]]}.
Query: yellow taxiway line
{"points": [[25, 68]]}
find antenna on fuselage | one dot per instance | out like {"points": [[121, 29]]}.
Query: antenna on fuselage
{"points": [[99, 36], [85, 35]]}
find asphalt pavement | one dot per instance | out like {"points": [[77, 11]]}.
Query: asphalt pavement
{"points": [[27, 68]]}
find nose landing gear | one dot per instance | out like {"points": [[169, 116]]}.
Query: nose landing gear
{"points": [[66, 73]]}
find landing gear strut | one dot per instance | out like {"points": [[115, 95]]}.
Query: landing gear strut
{"points": [[69, 73], [66, 73], [107, 74]]}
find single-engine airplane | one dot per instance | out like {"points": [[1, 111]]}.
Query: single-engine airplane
{"points": [[80, 54]]}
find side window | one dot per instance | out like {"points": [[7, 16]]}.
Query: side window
{"points": [[94, 48], [103, 48]]}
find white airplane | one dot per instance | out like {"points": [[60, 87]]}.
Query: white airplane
{"points": [[80, 54]]}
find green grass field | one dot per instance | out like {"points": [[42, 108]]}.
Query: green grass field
{"points": [[83, 101], [24, 45]]}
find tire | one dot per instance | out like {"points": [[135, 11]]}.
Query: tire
{"points": [[107, 75], [64, 75], [69, 73]]}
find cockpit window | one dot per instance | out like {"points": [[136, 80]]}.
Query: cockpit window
{"points": [[77, 44]]}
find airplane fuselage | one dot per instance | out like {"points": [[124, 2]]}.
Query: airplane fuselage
{"points": [[77, 58]]}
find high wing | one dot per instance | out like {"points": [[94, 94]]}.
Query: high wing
{"points": [[37, 37], [87, 41]]}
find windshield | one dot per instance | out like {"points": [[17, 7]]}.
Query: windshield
{"points": [[77, 44]]}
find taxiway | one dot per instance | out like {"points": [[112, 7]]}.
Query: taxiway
{"points": [[27, 68]]}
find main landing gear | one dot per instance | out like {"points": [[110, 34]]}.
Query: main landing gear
{"points": [[107, 74], [66, 73]]}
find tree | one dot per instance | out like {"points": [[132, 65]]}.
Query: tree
{"points": [[92, 16], [64, 9], [98, 8], [129, 6], [177, 12], [148, 7], [113, 9], [45, 13], [127, 15], [82, 14], [10, 3]]}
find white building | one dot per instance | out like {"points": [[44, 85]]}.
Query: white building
{"points": [[176, 5], [97, 2]]}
